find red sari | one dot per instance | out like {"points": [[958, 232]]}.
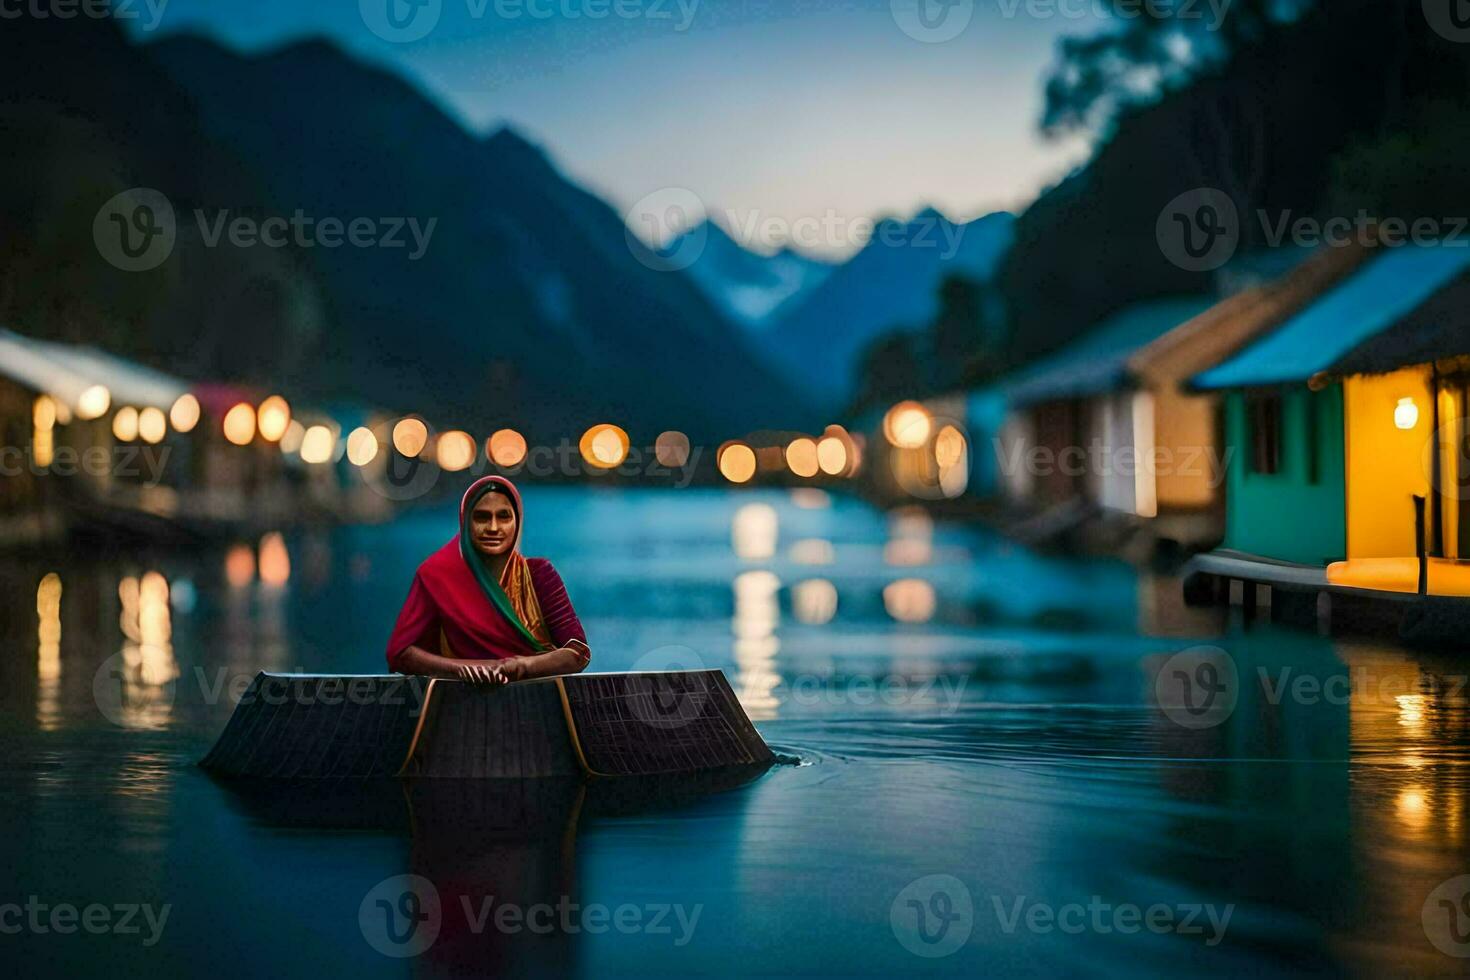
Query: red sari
{"points": [[456, 610]]}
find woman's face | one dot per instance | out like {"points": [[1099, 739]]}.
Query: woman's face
{"points": [[493, 524]]}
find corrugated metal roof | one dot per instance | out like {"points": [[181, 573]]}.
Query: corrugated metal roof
{"points": [[1372, 300], [64, 371], [1098, 361]]}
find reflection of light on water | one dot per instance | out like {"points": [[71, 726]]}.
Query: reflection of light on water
{"points": [[147, 651], [811, 498], [909, 600], [753, 531], [814, 601], [1413, 808], [1411, 710], [275, 561], [48, 651], [757, 613], [910, 538], [239, 566], [812, 551]]}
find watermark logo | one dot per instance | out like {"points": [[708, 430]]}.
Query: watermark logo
{"points": [[1199, 230], [663, 696], [1104, 917], [65, 918], [673, 232], [400, 21], [1198, 687], [147, 13], [932, 21], [933, 916], [129, 690], [401, 916], [135, 230], [1450, 19], [1446, 917]]}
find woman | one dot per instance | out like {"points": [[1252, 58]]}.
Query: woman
{"points": [[479, 611]]}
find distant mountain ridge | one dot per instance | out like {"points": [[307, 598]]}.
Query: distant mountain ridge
{"points": [[892, 283], [751, 288], [527, 304]]}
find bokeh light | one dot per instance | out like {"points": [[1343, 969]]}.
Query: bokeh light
{"points": [[506, 447], [910, 600], [184, 414], [455, 451], [410, 436], [317, 444], [275, 560], [907, 425], [671, 448], [832, 455], [125, 423], [94, 402], [43, 412], [801, 457], [152, 425], [362, 446], [239, 424], [273, 418], [737, 462], [604, 446]]}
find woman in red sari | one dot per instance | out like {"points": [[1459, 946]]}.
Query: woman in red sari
{"points": [[481, 612]]}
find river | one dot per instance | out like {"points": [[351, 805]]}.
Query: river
{"points": [[995, 774]]}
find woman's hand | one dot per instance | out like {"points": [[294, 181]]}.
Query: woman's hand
{"points": [[481, 674]]}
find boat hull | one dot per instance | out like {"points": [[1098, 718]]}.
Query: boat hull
{"points": [[312, 726]]}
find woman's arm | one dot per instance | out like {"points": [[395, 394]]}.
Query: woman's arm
{"points": [[570, 659], [417, 660]]}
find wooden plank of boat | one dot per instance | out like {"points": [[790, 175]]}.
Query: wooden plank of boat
{"points": [[313, 726]]}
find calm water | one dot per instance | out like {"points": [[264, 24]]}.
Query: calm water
{"points": [[961, 708]]}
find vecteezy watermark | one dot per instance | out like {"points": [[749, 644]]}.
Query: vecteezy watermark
{"points": [[942, 692], [932, 916], [95, 918], [1198, 687], [1206, 463], [1104, 918], [1446, 917], [1450, 19], [405, 21], [137, 230], [148, 13], [932, 21], [146, 462], [402, 916], [666, 230], [1210, 14], [1201, 230]]}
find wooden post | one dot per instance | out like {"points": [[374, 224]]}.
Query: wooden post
{"points": [[1419, 548]]}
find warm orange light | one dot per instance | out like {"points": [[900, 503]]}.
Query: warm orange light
{"points": [[506, 447], [832, 455], [43, 412], [184, 414], [94, 402], [152, 425], [910, 600], [410, 436], [239, 424], [239, 566], [671, 448], [362, 446], [456, 451], [949, 446], [907, 425], [317, 444], [275, 560], [273, 418], [737, 462], [801, 456], [1406, 414], [125, 423], [604, 446], [291, 441]]}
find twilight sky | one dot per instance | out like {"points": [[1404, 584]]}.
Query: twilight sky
{"points": [[764, 109]]}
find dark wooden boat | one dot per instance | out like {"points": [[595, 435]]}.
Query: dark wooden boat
{"points": [[318, 726]]}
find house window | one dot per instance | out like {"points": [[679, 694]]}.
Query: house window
{"points": [[1263, 420]]}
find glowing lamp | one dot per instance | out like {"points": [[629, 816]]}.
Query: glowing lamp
{"points": [[1406, 414], [272, 418], [907, 425], [239, 424], [184, 414], [94, 402], [362, 446], [737, 463]]}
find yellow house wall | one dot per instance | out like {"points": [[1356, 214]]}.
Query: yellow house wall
{"points": [[1184, 429], [1386, 465]]}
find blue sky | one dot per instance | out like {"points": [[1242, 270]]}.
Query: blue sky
{"points": [[767, 110]]}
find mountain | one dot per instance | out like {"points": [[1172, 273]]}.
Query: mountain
{"points": [[528, 305], [893, 282], [750, 288]]}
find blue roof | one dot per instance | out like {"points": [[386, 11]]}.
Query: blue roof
{"points": [[1366, 303], [1098, 361]]}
